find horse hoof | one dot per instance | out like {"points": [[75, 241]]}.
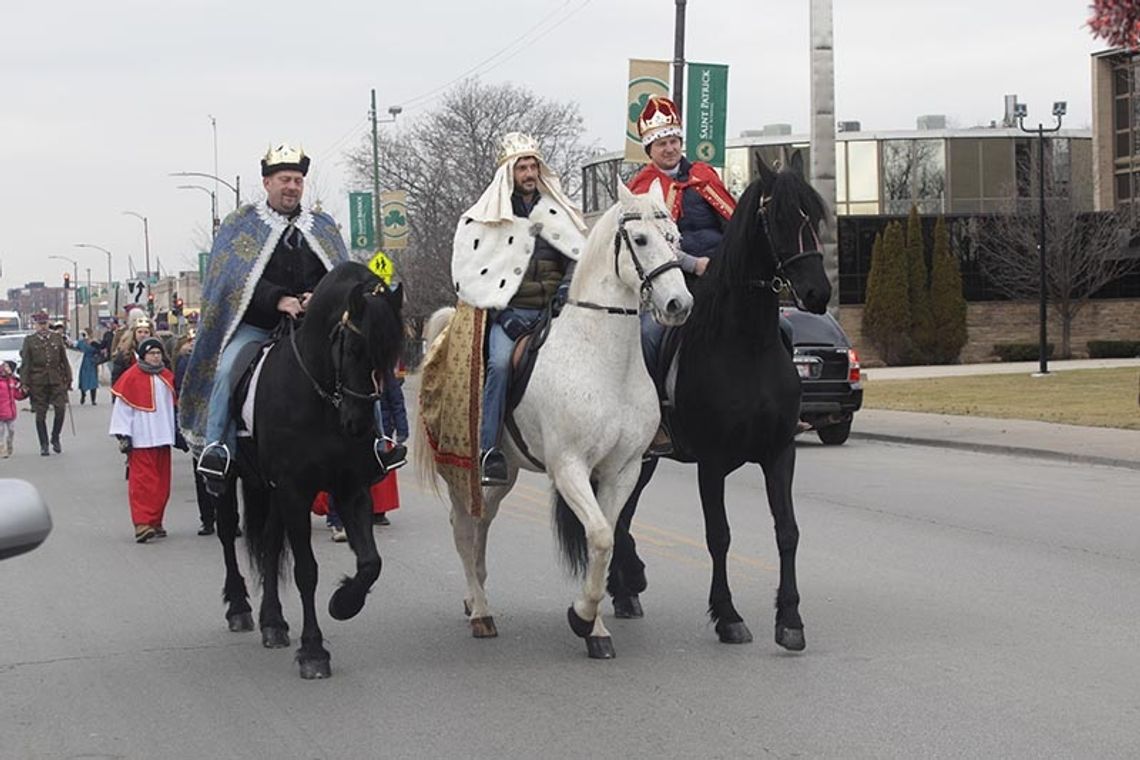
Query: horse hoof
{"points": [[466, 609], [484, 628], [580, 627], [240, 622], [315, 669], [733, 633], [274, 638], [791, 639], [344, 604], [628, 607], [600, 647]]}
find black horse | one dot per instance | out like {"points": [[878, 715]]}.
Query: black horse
{"points": [[313, 431], [737, 393]]}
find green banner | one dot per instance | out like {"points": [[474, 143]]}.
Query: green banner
{"points": [[203, 261], [363, 221], [706, 103]]}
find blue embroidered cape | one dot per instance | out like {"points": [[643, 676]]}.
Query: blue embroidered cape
{"points": [[242, 249]]}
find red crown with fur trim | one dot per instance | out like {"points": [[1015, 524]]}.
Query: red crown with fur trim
{"points": [[658, 119]]}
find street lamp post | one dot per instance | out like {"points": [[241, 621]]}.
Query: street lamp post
{"points": [[236, 187], [114, 307], [395, 111], [213, 206], [74, 284], [146, 243], [1021, 111]]}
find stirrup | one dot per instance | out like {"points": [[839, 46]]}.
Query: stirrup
{"points": [[389, 458], [217, 449]]}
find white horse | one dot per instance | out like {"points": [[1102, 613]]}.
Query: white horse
{"points": [[590, 410]]}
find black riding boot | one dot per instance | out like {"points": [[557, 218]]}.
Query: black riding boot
{"points": [[41, 431], [93, 397], [56, 429]]}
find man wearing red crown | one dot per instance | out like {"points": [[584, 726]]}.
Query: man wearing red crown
{"points": [[698, 201], [514, 250]]}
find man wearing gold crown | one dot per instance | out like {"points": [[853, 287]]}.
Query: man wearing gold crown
{"points": [[698, 200], [513, 251], [266, 260]]}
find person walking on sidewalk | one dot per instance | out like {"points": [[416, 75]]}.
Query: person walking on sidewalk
{"points": [[11, 391], [46, 373], [142, 418]]}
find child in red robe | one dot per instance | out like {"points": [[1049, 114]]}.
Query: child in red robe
{"points": [[142, 418]]}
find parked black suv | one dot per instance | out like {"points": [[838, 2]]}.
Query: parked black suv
{"points": [[829, 374]]}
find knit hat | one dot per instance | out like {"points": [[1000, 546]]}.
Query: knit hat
{"points": [[149, 344]]}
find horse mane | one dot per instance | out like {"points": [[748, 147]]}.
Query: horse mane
{"points": [[741, 255]]}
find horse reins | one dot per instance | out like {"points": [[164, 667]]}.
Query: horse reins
{"points": [[646, 278], [340, 390], [780, 280]]}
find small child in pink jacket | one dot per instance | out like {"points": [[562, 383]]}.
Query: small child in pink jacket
{"points": [[11, 391]]}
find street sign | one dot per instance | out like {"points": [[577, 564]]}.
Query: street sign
{"points": [[362, 221], [136, 288], [394, 219], [707, 104], [382, 267]]}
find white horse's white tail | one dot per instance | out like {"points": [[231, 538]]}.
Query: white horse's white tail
{"points": [[422, 454]]}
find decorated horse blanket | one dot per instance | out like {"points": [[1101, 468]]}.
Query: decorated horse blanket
{"points": [[451, 401]]}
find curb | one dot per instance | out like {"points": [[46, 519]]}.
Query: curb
{"points": [[1019, 451]]}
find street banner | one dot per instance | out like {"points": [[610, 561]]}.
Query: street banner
{"points": [[706, 103], [394, 219], [382, 267], [646, 78], [362, 224]]}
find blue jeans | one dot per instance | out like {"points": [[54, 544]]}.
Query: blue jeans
{"points": [[499, 348], [652, 335], [219, 425]]}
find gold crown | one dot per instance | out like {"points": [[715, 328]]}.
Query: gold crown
{"points": [[284, 157], [517, 144]]}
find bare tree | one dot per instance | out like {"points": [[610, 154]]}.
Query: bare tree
{"points": [[1084, 251], [444, 160]]}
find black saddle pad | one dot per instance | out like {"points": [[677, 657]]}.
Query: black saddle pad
{"points": [[520, 375], [240, 382]]}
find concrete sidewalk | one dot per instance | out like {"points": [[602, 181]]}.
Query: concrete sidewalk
{"points": [[1072, 443]]}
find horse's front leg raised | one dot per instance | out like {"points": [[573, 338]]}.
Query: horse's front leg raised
{"points": [[730, 626], [239, 615], [778, 477], [585, 614], [312, 657], [355, 510]]}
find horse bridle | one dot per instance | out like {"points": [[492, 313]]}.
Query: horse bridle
{"points": [[780, 280], [340, 390], [646, 278]]}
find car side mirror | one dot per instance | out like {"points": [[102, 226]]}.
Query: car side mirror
{"points": [[24, 518]]}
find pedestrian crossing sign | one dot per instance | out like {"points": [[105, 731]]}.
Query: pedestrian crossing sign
{"points": [[382, 267]]}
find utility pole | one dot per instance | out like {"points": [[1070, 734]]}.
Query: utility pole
{"points": [[376, 177], [90, 323], [823, 136], [679, 58]]}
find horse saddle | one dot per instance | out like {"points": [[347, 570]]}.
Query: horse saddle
{"points": [[522, 366], [664, 377], [243, 388]]}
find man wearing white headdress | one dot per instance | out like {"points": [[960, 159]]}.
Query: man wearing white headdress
{"points": [[514, 250]]}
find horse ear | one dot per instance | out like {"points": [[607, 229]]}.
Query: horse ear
{"points": [[657, 191], [625, 196], [796, 164], [767, 176]]}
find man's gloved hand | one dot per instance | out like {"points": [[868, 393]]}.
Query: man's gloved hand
{"points": [[560, 297], [124, 443]]}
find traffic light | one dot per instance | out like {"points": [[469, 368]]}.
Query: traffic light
{"points": [[66, 281], [176, 305]]}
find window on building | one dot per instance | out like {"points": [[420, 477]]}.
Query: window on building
{"points": [[913, 174]]}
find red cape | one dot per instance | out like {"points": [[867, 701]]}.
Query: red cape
{"points": [[702, 178], [137, 391]]}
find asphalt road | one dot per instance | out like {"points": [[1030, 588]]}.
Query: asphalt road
{"points": [[957, 605]]}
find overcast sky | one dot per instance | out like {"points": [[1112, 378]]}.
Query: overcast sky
{"points": [[100, 101]]}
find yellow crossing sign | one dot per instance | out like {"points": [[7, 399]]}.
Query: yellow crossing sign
{"points": [[382, 267]]}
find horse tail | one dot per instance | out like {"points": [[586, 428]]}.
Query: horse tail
{"points": [[571, 537], [422, 453], [258, 521]]}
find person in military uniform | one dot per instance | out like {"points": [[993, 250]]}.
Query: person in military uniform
{"points": [[46, 372]]}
